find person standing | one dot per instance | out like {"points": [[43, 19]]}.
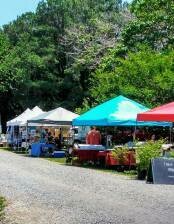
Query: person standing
{"points": [[60, 137], [93, 137]]}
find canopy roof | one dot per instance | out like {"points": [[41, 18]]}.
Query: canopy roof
{"points": [[59, 116], [21, 120], [161, 113], [36, 111], [119, 111]]}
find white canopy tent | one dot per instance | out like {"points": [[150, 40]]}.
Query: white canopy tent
{"points": [[58, 116], [14, 137], [21, 120], [36, 111]]}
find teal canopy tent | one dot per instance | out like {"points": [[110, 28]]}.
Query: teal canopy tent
{"points": [[119, 111]]}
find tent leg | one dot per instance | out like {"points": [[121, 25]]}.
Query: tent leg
{"points": [[27, 136], [135, 130], [171, 132], [18, 137]]}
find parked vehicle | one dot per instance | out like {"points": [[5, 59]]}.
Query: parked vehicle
{"points": [[79, 133], [3, 140]]}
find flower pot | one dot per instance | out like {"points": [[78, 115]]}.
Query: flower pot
{"points": [[142, 173]]}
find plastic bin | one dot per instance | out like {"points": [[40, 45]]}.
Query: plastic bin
{"points": [[36, 149], [58, 154]]}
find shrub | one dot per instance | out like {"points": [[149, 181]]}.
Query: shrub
{"points": [[120, 154], [172, 154], [148, 151]]}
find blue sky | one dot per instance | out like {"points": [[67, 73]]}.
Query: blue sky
{"points": [[10, 9]]}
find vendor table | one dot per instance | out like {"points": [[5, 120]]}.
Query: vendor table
{"points": [[87, 152], [96, 153]]}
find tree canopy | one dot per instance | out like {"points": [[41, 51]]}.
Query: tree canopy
{"points": [[152, 25], [48, 55], [76, 54], [141, 67], [145, 76]]}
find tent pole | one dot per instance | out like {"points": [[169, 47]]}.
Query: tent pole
{"points": [[106, 128], [12, 136], [18, 136], [135, 129], [171, 131], [27, 135]]}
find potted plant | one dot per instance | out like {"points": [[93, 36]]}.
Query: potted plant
{"points": [[146, 152], [120, 154]]}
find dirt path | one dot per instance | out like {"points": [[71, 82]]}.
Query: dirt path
{"points": [[43, 192]]}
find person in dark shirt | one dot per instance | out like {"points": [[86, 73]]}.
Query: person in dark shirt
{"points": [[59, 139], [50, 138]]}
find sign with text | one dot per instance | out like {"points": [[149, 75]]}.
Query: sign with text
{"points": [[163, 171]]}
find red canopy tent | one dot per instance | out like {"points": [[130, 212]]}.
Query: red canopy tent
{"points": [[161, 113]]}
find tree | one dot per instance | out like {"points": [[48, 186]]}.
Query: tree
{"points": [[56, 49], [142, 73], [145, 76], [11, 75], [152, 25]]}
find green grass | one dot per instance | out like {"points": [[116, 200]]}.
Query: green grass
{"points": [[2, 206], [11, 150], [57, 160], [128, 173], [6, 148]]}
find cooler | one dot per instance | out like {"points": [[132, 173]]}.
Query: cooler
{"points": [[58, 154]]}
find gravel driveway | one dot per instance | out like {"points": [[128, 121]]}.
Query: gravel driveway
{"points": [[43, 192]]}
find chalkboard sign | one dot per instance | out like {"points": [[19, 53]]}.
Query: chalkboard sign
{"points": [[163, 171]]}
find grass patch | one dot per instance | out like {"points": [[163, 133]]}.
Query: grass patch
{"points": [[2, 206], [128, 173], [57, 160], [6, 148], [23, 151]]}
